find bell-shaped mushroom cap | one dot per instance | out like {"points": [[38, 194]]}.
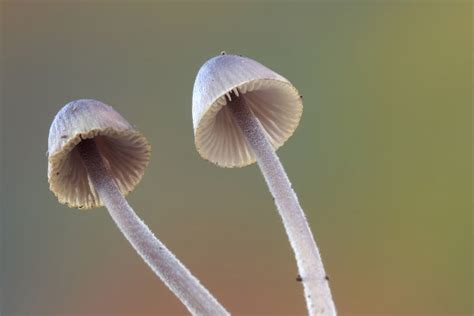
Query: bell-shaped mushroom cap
{"points": [[125, 151], [272, 98]]}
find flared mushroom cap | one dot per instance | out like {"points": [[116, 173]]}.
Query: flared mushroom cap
{"points": [[125, 151], [272, 98]]}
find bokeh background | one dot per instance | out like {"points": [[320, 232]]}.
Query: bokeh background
{"points": [[381, 161]]}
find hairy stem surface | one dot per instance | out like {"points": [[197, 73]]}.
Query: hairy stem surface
{"points": [[310, 266], [172, 272]]}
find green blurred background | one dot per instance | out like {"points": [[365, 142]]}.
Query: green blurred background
{"points": [[381, 161]]}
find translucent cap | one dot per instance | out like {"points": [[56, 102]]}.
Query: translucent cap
{"points": [[124, 150], [272, 98]]}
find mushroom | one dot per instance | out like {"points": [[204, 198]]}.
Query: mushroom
{"points": [[95, 157], [242, 113]]}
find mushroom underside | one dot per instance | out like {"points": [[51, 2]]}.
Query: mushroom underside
{"points": [[220, 140], [125, 157]]}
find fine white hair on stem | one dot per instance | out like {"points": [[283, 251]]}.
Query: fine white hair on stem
{"points": [[243, 112], [172, 272], [95, 158], [310, 266]]}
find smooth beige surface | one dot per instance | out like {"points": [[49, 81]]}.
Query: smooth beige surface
{"points": [[273, 99], [126, 152]]}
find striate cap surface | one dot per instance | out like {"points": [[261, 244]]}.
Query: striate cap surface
{"points": [[272, 98], [125, 151]]}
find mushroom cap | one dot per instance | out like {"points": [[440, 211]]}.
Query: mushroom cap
{"points": [[125, 151], [272, 98]]}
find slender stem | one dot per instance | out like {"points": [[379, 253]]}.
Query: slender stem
{"points": [[172, 272], [310, 266]]}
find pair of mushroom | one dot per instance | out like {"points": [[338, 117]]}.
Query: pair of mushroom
{"points": [[242, 112]]}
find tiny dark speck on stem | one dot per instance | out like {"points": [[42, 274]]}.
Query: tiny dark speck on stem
{"points": [[299, 278], [63, 136]]}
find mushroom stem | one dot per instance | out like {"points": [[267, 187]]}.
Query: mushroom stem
{"points": [[172, 272], [310, 266]]}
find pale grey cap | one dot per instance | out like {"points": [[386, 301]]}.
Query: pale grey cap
{"points": [[124, 150], [272, 98]]}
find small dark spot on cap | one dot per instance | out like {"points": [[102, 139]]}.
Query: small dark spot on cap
{"points": [[299, 278], [223, 53], [57, 173]]}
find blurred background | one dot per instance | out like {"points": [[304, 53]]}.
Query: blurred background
{"points": [[381, 161]]}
